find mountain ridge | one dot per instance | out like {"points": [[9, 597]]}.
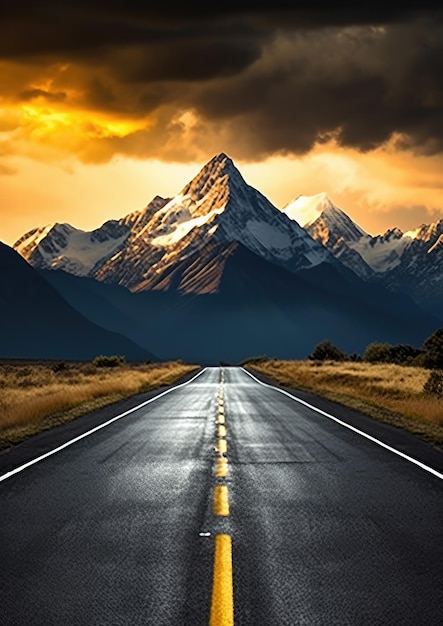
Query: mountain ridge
{"points": [[408, 262], [217, 206], [39, 323], [218, 271], [259, 308]]}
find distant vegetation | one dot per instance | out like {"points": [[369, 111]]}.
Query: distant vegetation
{"points": [[109, 361], [327, 351], [34, 397], [430, 355], [391, 383]]}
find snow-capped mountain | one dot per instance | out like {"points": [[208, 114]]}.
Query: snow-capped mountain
{"points": [[321, 216], [410, 262], [420, 270], [181, 242], [218, 272], [383, 252], [330, 226], [61, 246]]}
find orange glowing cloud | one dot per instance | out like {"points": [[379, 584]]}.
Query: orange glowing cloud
{"points": [[303, 102]]}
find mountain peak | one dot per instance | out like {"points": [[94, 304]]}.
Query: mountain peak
{"points": [[323, 220], [217, 177], [306, 209], [147, 250], [220, 157]]}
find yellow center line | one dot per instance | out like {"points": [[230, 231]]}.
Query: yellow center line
{"points": [[222, 446], [221, 431], [222, 602], [221, 467], [221, 419], [220, 505]]}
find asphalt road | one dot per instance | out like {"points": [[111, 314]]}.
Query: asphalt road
{"points": [[222, 501]]}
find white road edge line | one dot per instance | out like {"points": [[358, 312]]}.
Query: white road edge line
{"points": [[93, 430], [356, 430]]}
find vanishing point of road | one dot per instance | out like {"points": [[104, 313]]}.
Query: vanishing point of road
{"points": [[222, 501]]}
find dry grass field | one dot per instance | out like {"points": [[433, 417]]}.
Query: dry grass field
{"points": [[388, 392], [34, 397]]}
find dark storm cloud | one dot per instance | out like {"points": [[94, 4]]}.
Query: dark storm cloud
{"points": [[263, 81], [360, 85], [30, 28], [198, 59]]}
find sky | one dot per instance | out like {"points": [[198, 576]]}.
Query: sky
{"points": [[104, 105]]}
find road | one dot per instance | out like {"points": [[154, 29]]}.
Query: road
{"points": [[224, 501]]}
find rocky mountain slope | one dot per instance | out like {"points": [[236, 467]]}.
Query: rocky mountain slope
{"points": [[190, 235], [409, 262]]}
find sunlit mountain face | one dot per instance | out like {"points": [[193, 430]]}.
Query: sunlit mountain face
{"points": [[219, 272], [182, 242]]}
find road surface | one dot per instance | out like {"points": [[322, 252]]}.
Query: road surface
{"points": [[223, 501]]}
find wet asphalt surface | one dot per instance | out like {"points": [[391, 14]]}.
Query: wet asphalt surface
{"points": [[327, 527]]}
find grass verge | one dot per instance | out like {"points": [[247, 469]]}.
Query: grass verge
{"points": [[36, 397], [390, 393]]}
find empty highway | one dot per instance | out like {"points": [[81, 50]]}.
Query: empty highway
{"points": [[221, 502]]}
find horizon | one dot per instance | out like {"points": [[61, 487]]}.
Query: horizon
{"points": [[103, 110]]}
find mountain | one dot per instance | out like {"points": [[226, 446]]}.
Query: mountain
{"points": [[37, 322], [258, 308], [410, 262], [324, 218], [218, 272], [330, 226], [419, 272], [183, 241]]}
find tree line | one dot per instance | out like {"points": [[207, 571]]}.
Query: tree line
{"points": [[430, 355]]}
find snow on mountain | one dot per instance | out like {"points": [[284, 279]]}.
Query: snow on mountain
{"points": [[382, 253], [61, 246], [331, 227], [181, 242], [318, 211], [363, 253], [420, 270], [186, 242], [409, 262], [437, 246]]}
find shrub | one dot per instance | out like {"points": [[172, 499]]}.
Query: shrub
{"points": [[404, 354], [434, 384], [377, 353], [433, 350], [327, 351], [401, 354], [109, 361]]}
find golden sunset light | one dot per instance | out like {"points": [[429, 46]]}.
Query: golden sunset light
{"points": [[102, 111]]}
